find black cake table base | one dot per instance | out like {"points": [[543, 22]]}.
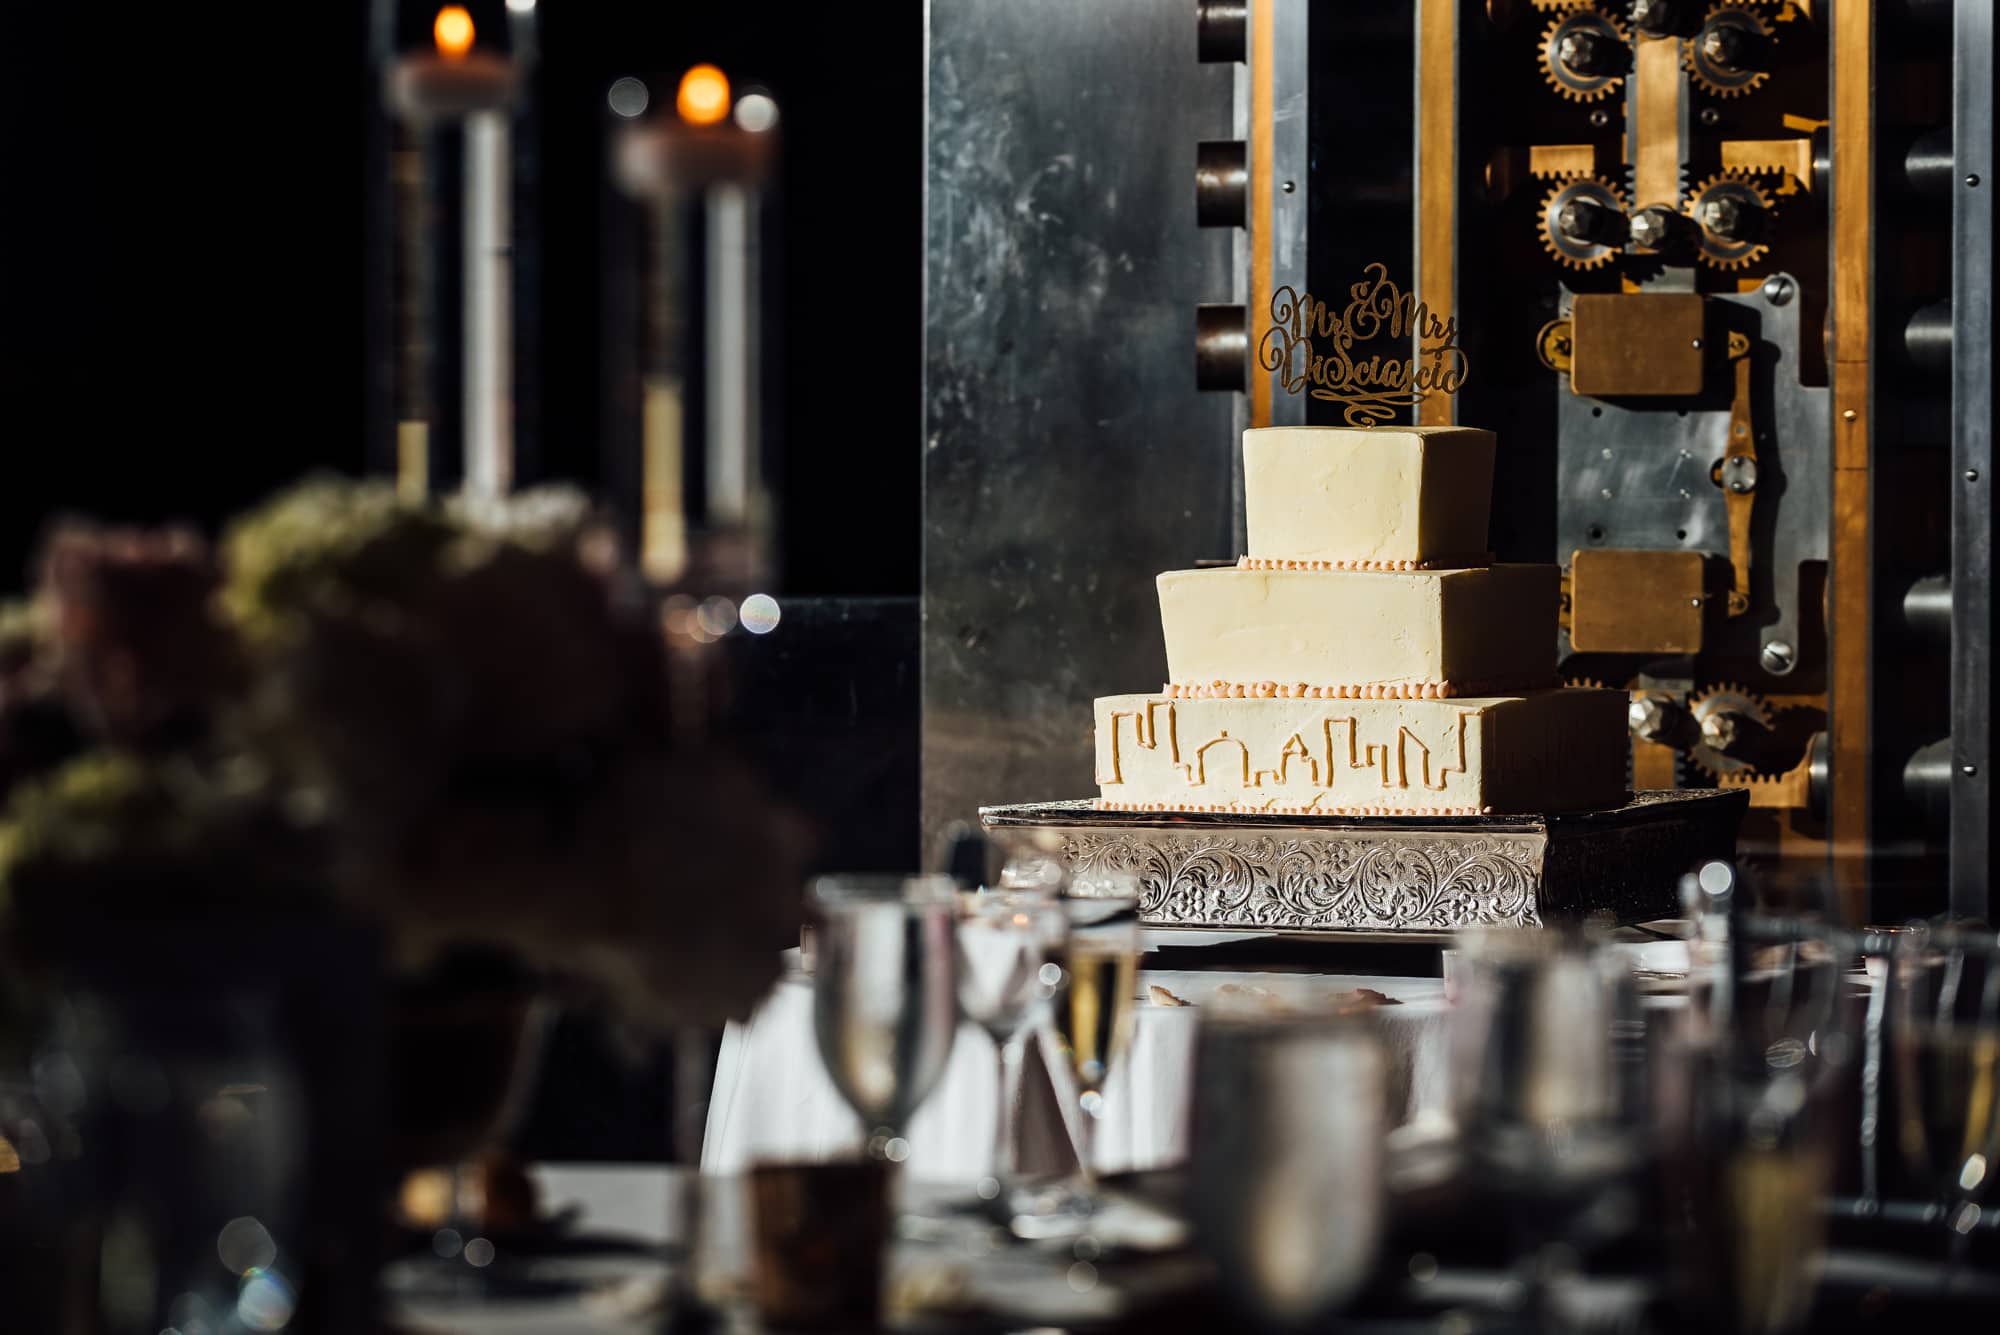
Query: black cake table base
{"points": [[1395, 875]]}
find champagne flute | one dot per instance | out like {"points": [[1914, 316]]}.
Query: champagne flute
{"points": [[1944, 1006], [1096, 994], [1010, 943], [885, 998], [1287, 1173]]}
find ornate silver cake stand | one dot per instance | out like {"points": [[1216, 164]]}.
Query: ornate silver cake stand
{"points": [[1401, 875]]}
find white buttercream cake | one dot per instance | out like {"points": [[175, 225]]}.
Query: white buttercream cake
{"points": [[1364, 657]]}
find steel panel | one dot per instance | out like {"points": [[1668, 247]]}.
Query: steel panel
{"points": [[1067, 454]]}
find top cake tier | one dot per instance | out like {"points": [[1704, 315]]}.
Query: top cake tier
{"points": [[1377, 498]]}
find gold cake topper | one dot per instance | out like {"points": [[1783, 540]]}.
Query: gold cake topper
{"points": [[1316, 349]]}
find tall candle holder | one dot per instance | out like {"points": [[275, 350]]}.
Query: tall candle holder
{"points": [[452, 76], [704, 517]]}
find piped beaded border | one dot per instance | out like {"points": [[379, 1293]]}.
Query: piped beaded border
{"points": [[1478, 562], [1288, 809], [1386, 690]]}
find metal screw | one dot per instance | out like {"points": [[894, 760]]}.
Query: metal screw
{"points": [[1695, 344], [1722, 730], [1600, 118], [1778, 657], [1973, 180], [1710, 116], [1972, 475], [1289, 186], [1694, 602], [1587, 220], [1847, 416], [1653, 227], [1777, 289], [1968, 770]]}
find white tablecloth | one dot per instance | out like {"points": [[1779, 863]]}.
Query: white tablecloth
{"points": [[772, 1099]]}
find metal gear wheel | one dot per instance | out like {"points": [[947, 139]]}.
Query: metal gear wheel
{"points": [[1724, 712], [1734, 212], [1584, 55], [1587, 682], [1582, 193], [1706, 55]]}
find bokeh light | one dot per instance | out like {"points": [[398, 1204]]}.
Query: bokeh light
{"points": [[704, 95], [756, 112], [453, 31], [759, 613], [629, 97]]}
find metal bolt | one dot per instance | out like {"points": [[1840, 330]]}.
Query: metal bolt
{"points": [[1647, 717], [1600, 118], [1725, 216], [1289, 186], [1725, 44], [1847, 416], [1653, 227], [1584, 52], [1710, 117], [1588, 220], [1653, 16], [1777, 289], [1778, 657], [1695, 344], [1972, 475], [1968, 770], [1722, 730], [1738, 474], [1973, 180]]}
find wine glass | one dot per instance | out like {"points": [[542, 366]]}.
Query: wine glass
{"points": [[1095, 996], [1773, 1005], [1287, 1153], [1010, 944], [885, 996], [1548, 1089], [1944, 1007]]}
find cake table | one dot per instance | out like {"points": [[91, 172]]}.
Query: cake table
{"points": [[1421, 876]]}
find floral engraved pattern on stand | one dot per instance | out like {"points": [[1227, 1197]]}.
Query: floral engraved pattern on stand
{"points": [[1319, 350], [1402, 881]]}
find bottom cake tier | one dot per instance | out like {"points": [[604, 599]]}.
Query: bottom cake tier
{"points": [[1557, 750]]}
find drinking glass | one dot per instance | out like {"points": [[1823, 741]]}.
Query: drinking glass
{"points": [[1095, 996], [1944, 1009], [1287, 1151], [885, 996], [1769, 1039], [1010, 947], [1548, 1075]]}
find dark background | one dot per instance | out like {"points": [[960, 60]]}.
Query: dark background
{"points": [[186, 284], [192, 302]]}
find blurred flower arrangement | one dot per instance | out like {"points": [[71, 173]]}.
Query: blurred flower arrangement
{"points": [[455, 723]]}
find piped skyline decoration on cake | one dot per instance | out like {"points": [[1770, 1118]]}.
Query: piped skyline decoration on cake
{"points": [[1321, 350]]}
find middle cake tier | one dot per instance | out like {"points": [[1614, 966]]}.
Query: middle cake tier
{"points": [[1422, 633]]}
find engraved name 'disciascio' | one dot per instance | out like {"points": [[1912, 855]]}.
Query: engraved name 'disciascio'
{"points": [[1316, 349]]}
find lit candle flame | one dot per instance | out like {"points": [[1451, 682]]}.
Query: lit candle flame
{"points": [[704, 95], [453, 32]]}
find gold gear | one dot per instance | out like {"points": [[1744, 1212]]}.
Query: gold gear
{"points": [[1717, 80], [1580, 87], [1579, 255], [1587, 683], [1718, 252], [1711, 700]]}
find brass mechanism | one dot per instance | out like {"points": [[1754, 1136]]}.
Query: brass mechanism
{"points": [[1636, 601], [1632, 343]]}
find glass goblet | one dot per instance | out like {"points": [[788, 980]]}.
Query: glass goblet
{"points": [[1944, 1026], [1010, 946], [1287, 1161], [885, 996]]}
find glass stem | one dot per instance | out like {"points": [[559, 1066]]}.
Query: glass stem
{"points": [[1086, 1146], [1008, 1054]]}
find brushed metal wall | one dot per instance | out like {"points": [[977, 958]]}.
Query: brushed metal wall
{"points": [[1068, 457]]}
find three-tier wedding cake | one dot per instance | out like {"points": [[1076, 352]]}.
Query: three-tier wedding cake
{"points": [[1366, 656]]}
